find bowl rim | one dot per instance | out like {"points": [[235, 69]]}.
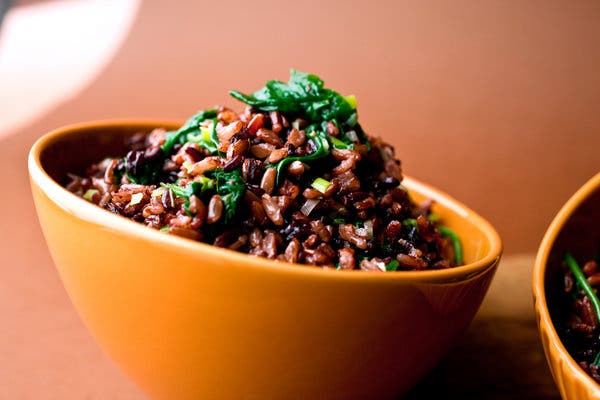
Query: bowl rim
{"points": [[539, 272], [89, 212]]}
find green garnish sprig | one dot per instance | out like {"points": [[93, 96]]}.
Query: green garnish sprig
{"points": [[392, 265], [193, 188], [147, 172], [304, 96], [320, 140], [229, 185], [445, 232], [192, 126], [455, 239], [583, 284]]}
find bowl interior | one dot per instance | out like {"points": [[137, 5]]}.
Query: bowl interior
{"points": [[580, 235], [74, 148], [77, 150]]}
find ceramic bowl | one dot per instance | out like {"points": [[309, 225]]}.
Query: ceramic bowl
{"points": [[576, 229], [186, 320]]}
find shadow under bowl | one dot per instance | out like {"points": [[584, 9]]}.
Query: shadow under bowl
{"points": [[186, 320], [575, 229]]}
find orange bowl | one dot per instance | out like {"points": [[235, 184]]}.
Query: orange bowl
{"points": [[576, 228], [186, 320]]}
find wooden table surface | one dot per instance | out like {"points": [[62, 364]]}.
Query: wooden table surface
{"points": [[500, 355]]}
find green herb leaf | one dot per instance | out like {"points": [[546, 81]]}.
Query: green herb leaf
{"points": [[158, 192], [458, 254], [410, 222], [206, 138], [193, 188], [147, 173], [303, 96], [392, 265], [192, 126], [596, 360], [320, 140], [230, 186], [583, 284], [338, 144]]}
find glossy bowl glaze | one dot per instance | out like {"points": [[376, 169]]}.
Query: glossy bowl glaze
{"points": [[576, 228], [186, 320]]}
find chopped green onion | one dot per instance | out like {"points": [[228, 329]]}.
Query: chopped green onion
{"points": [[158, 192], [352, 121], [338, 144], [320, 184], [433, 217], [368, 226], [205, 131], [195, 187], [449, 233], [352, 136], [392, 265], [207, 138], [165, 229], [89, 194], [351, 99], [203, 136], [583, 284], [136, 198], [206, 182], [187, 165], [308, 206], [410, 222]]}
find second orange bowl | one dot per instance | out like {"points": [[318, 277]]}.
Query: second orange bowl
{"points": [[576, 228]]}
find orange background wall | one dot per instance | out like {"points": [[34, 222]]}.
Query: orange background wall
{"points": [[496, 102]]}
